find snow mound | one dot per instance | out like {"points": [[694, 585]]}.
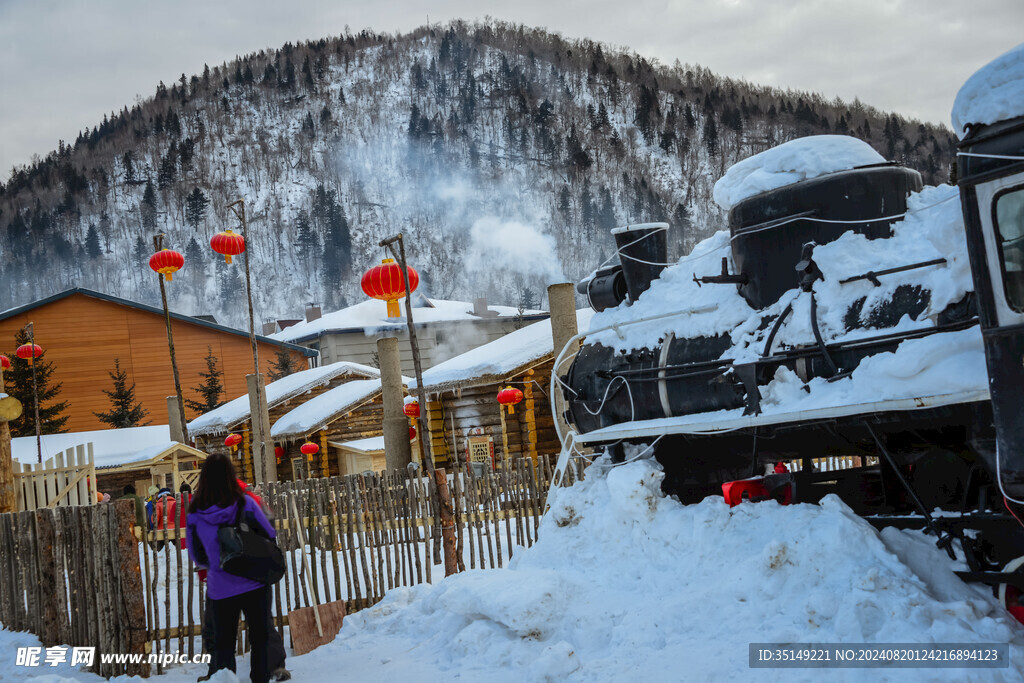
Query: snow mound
{"points": [[790, 163], [625, 584], [994, 93]]}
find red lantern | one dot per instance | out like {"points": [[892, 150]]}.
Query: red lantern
{"points": [[509, 396], [232, 441], [309, 449], [29, 352], [412, 408], [228, 244], [385, 282], [412, 433], [278, 452], [167, 262], [5, 362]]}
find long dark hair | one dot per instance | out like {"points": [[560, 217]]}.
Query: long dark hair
{"points": [[217, 485]]}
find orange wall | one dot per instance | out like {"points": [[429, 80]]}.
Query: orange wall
{"points": [[82, 336]]}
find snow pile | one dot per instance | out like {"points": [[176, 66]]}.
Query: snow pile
{"points": [[220, 419], [994, 93], [790, 163], [371, 317], [625, 584], [499, 358]]}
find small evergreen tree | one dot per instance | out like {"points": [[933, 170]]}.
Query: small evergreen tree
{"points": [[125, 411], [211, 388], [284, 364], [19, 385], [92, 242]]}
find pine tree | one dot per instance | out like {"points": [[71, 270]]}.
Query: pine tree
{"points": [[125, 411], [195, 208], [284, 364], [211, 389], [19, 385], [92, 242], [148, 207]]}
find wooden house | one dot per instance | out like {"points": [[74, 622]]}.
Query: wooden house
{"points": [[443, 329], [82, 332], [210, 429], [336, 421], [465, 420]]}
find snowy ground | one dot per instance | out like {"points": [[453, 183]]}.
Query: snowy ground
{"points": [[625, 584]]}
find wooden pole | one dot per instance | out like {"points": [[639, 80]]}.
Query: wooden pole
{"points": [[158, 243], [447, 521], [421, 396], [8, 499], [35, 388], [133, 608]]}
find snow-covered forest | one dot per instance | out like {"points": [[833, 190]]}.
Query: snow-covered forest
{"points": [[503, 153]]}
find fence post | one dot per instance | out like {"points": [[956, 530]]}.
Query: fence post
{"points": [[47, 577], [131, 586], [447, 521]]}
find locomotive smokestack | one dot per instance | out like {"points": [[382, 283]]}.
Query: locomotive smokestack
{"points": [[643, 252]]}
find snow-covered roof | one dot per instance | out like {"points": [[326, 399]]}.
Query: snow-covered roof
{"points": [[220, 420], [373, 444], [321, 410], [994, 93], [371, 316], [790, 163], [499, 359], [111, 447]]}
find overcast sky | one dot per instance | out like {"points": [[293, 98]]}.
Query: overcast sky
{"points": [[64, 63]]}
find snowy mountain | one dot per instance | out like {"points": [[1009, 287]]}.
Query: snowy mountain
{"points": [[503, 154]]}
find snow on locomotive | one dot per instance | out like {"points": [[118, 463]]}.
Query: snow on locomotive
{"points": [[847, 311]]}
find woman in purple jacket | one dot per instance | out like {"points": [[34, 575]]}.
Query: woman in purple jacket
{"points": [[216, 503]]}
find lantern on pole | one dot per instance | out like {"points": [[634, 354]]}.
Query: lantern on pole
{"points": [[411, 407], [309, 449], [232, 441], [167, 262], [412, 433], [28, 352], [5, 362], [509, 396], [385, 282], [228, 244]]}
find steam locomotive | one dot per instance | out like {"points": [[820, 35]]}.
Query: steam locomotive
{"points": [[852, 313]]}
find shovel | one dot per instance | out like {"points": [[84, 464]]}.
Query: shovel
{"points": [[311, 627]]}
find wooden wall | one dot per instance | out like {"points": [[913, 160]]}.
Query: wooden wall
{"points": [[82, 336], [529, 431]]}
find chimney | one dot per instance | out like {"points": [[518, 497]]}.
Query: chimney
{"points": [[312, 312], [480, 309], [269, 327], [562, 300]]}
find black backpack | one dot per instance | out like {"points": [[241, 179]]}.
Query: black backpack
{"points": [[247, 551]]}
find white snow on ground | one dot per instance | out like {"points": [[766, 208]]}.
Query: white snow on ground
{"points": [[219, 419], [994, 93], [625, 584], [500, 357], [110, 446], [790, 163], [372, 316]]}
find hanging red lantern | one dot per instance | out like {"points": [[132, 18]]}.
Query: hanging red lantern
{"points": [[29, 352], [385, 282], [167, 262], [232, 441], [228, 244], [309, 449], [412, 433], [411, 408], [5, 362], [278, 453], [509, 396]]}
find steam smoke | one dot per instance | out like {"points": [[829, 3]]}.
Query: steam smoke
{"points": [[518, 246]]}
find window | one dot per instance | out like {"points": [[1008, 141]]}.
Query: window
{"points": [[1008, 210]]}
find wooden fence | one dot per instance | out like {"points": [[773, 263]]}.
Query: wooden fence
{"points": [[68, 478]]}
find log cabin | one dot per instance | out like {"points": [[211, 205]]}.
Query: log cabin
{"points": [[464, 418], [82, 332], [284, 395]]}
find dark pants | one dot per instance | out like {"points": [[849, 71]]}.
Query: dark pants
{"points": [[275, 644], [224, 614]]}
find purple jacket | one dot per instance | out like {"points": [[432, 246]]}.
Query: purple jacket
{"points": [[202, 526]]}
